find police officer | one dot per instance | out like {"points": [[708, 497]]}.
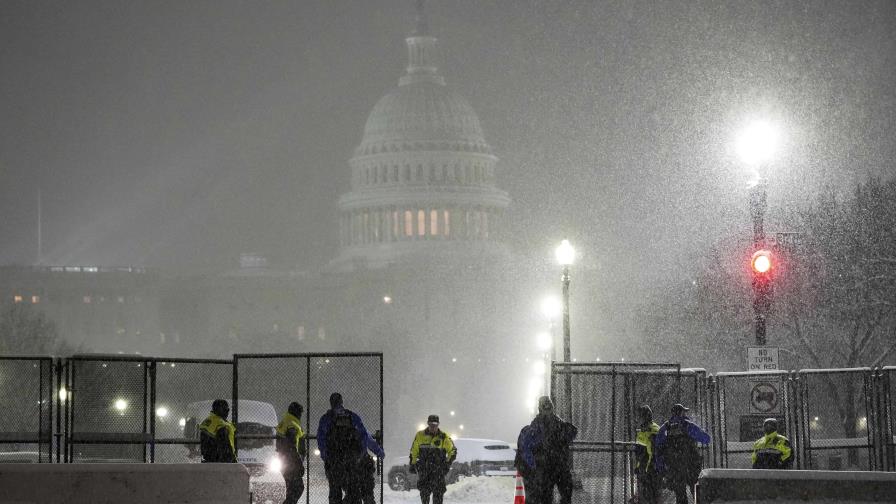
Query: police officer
{"points": [[678, 458], [216, 435], [772, 451], [343, 442], [432, 453], [649, 481], [546, 449], [291, 448]]}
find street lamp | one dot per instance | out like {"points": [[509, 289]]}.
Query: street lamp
{"points": [[756, 145], [565, 257]]}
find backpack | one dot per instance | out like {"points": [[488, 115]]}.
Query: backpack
{"points": [[344, 440], [683, 459]]}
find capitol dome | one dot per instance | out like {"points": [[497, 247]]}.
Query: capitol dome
{"points": [[422, 116], [423, 176]]}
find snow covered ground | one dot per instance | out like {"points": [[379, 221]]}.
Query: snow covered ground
{"points": [[477, 490]]}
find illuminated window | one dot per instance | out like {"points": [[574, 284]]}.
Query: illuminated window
{"points": [[121, 299], [17, 299], [408, 223], [87, 299], [447, 223], [35, 299], [434, 222], [421, 223]]}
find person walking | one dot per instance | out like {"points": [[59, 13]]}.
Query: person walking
{"points": [[649, 481], [291, 449], [432, 453], [678, 458], [772, 451], [342, 441], [216, 435], [524, 470], [546, 450]]}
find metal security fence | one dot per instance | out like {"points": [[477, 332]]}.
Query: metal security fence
{"points": [[600, 399], [266, 383], [886, 412], [740, 404], [26, 409], [836, 420], [139, 409]]}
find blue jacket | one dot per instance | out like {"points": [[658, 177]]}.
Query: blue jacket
{"points": [[326, 423], [693, 430]]}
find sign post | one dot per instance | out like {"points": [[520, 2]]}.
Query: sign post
{"points": [[762, 359]]}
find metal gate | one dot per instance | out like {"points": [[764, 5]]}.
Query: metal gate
{"points": [[26, 409], [836, 424], [600, 399], [741, 401], [139, 409], [264, 380]]}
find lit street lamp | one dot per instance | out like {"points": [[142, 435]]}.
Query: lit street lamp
{"points": [[755, 147], [565, 257]]}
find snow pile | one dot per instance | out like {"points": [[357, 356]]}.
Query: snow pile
{"points": [[475, 490]]}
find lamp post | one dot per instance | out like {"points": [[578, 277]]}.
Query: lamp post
{"points": [[755, 147], [550, 308], [565, 257]]}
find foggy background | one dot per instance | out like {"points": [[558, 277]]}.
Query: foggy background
{"points": [[178, 135]]}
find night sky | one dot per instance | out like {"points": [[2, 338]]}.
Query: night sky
{"points": [[180, 134]]}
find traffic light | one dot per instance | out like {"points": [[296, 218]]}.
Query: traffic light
{"points": [[762, 262]]}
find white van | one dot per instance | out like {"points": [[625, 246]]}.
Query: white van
{"points": [[255, 433]]}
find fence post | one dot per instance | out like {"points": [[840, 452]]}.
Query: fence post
{"points": [[236, 400], [151, 365]]}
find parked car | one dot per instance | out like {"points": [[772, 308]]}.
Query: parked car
{"points": [[475, 457]]}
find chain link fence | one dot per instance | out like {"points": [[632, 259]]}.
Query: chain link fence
{"points": [[835, 413], [266, 383], [600, 399], [741, 403], [26, 409]]}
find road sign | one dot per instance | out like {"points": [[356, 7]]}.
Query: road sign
{"points": [[762, 359], [765, 396]]}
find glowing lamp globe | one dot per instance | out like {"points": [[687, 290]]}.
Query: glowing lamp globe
{"points": [[762, 261], [565, 253]]}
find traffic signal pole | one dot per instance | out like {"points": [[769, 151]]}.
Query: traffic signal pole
{"points": [[761, 283]]}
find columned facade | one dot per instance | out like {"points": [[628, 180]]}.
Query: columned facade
{"points": [[423, 177]]}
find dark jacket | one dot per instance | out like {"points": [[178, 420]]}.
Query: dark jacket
{"points": [[546, 443]]}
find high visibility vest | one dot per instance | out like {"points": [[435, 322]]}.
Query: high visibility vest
{"points": [[211, 425], [432, 448], [644, 441], [771, 451], [291, 422]]}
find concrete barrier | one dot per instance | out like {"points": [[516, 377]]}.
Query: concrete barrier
{"points": [[757, 485], [124, 483]]}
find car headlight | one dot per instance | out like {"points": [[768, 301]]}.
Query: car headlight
{"points": [[275, 464]]}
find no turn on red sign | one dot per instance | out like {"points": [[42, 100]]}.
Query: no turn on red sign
{"points": [[762, 359]]}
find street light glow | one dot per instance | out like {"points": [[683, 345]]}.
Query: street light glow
{"points": [[544, 341], [539, 368], [756, 143], [121, 404], [762, 261], [551, 307], [565, 253], [161, 412]]}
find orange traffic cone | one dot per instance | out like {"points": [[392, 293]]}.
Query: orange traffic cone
{"points": [[520, 496]]}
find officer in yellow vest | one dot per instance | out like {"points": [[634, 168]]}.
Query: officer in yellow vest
{"points": [[432, 453], [216, 435], [649, 481], [291, 448], [772, 451]]}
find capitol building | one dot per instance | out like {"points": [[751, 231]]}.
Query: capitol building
{"points": [[419, 273], [423, 176]]}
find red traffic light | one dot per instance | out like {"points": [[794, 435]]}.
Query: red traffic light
{"points": [[762, 261]]}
